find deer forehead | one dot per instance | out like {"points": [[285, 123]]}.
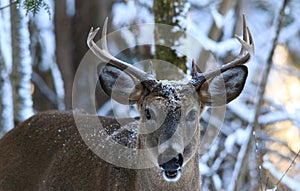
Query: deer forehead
{"points": [[171, 95]]}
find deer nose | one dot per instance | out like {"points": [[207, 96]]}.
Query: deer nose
{"points": [[171, 166]]}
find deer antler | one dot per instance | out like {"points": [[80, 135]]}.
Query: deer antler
{"points": [[145, 78], [246, 51]]}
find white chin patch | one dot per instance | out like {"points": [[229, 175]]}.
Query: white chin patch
{"points": [[172, 176]]}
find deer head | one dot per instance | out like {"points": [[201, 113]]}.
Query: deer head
{"points": [[170, 110]]}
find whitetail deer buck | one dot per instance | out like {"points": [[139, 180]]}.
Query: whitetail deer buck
{"points": [[47, 152]]}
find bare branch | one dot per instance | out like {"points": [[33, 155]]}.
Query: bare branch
{"points": [[246, 147], [9, 5], [290, 166]]}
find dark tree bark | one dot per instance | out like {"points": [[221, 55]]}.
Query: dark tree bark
{"points": [[88, 14], [71, 34], [64, 48]]}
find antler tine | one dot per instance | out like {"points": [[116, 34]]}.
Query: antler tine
{"points": [[194, 68], [245, 35], [251, 42], [103, 36], [247, 48], [105, 56], [246, 51]]}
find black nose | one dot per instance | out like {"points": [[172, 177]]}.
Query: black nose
{"points": [[171, 167], [169, 163]]}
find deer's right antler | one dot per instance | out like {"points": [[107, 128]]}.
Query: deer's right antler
{"points": [[146, 79]]}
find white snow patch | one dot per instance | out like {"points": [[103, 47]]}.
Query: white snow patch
{"points": [[25, 68], [129, 37], [5, 34], [217, 181], [124, 13], [131, 12], [71, 8], [204, 169]]}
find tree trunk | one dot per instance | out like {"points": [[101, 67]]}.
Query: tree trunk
{"points": [[71, 33], [171, 13], [88, 14], [64, 48], [6, 119], [21, 65], [46, 77]]}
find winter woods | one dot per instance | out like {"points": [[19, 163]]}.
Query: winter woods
{"points": [[257, 145]]}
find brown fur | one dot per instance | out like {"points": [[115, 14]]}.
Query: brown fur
{"points": [[46, 152]]}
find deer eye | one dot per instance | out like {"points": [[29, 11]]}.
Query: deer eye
{"points": [[148, 114], [191, 116]]}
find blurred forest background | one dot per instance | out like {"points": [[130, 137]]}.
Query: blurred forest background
{"points": [[43, 42]]}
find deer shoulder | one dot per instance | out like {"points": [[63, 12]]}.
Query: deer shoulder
{"points": [[46, 152]]}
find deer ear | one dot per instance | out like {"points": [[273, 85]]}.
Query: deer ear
{"points": [[119, 85], [225, 87]]}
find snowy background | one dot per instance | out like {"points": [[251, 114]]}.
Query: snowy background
{"points": [[260, 137]]}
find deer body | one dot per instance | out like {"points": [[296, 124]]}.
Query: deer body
{"points": [[53, 151], [48, 153]]}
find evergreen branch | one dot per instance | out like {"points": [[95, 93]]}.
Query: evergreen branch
{"points": [[34, 6], [31, 6]]}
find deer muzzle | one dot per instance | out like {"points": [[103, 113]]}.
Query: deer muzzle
{"points": [[171, 166]]}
